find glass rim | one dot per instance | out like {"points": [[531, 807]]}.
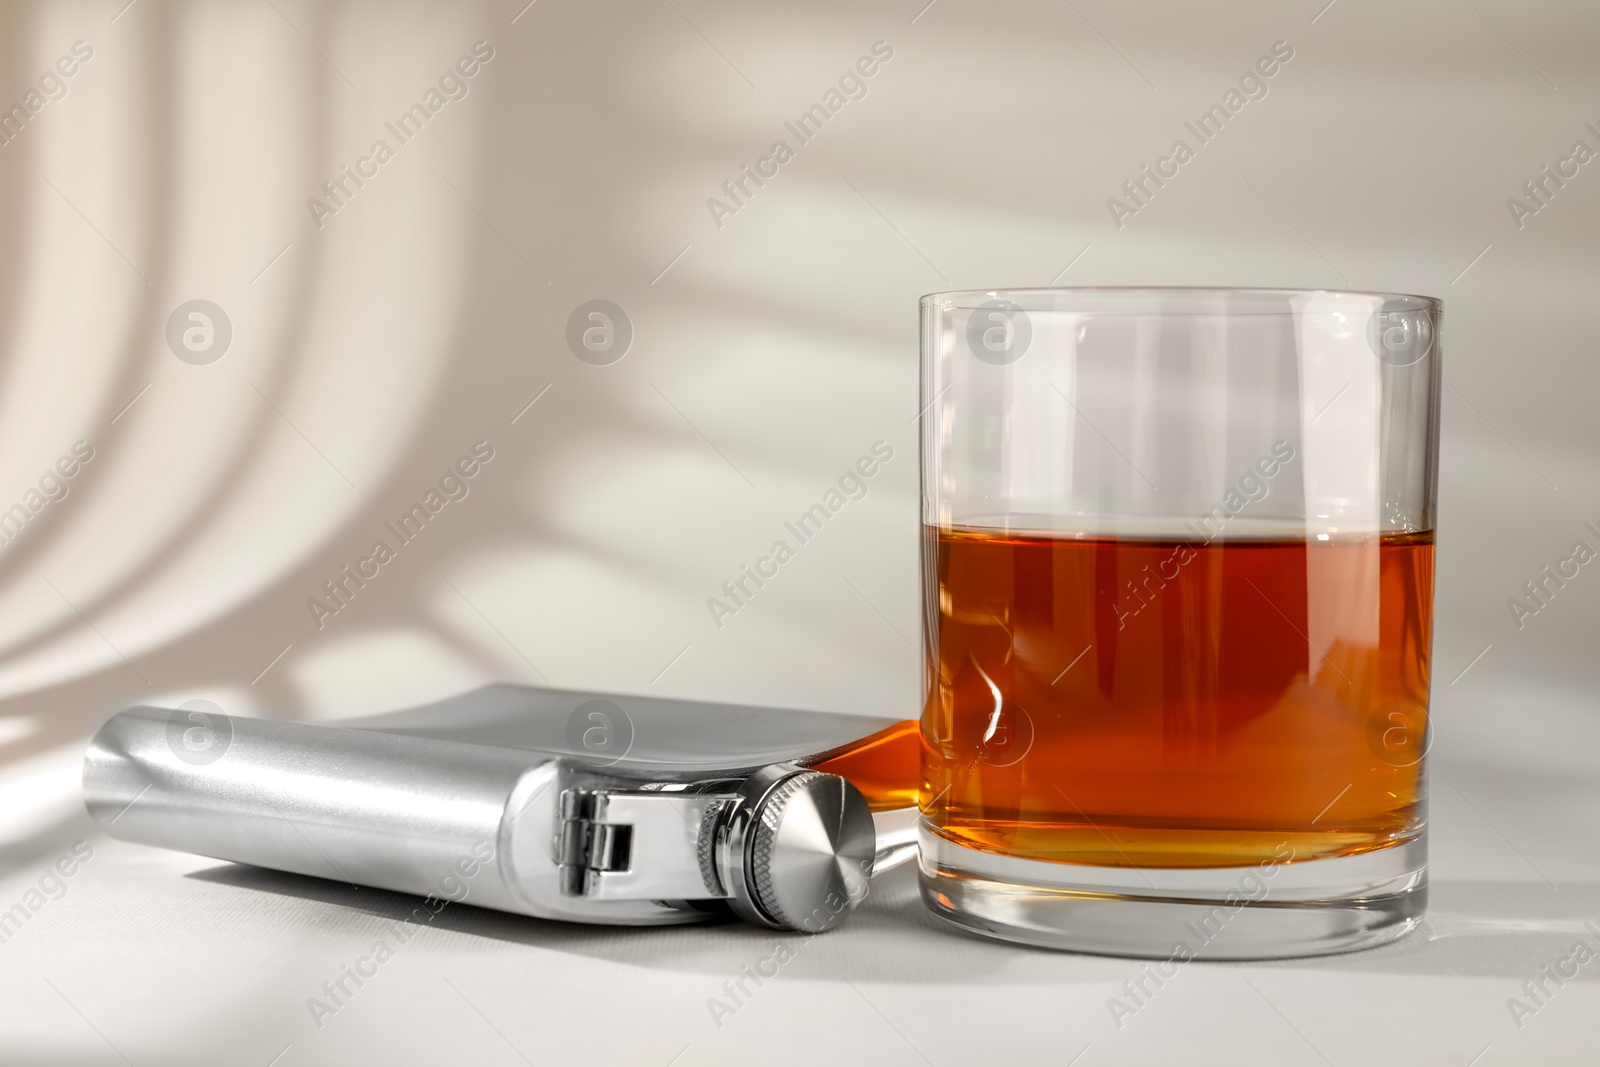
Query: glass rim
{"points": [[1432, 303]]}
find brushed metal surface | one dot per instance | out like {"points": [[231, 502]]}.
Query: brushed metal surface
{"points": [[365, 808], [461, 822], [483, 824]]}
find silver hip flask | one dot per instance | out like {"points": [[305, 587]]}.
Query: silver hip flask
{"points": [[555, 804]]}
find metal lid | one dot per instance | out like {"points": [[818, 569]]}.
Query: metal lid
{"points": [[797, 852]]}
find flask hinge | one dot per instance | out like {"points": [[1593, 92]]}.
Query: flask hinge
{"points": [[615, 845]]}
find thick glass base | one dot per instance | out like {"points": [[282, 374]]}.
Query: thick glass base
{"points": [[1274, 909]]}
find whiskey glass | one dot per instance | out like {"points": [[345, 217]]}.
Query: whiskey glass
{"points": [[1177, 613]]}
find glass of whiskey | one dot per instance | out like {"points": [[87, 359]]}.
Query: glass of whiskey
{"points": [[1177, 552]]}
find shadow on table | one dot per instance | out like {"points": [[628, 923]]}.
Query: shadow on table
{"points": [[1474, 929]]}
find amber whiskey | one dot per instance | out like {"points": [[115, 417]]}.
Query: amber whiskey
{"points": [[1170, 703]]}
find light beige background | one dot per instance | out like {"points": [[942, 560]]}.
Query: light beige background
{"points": [[769, 353]]}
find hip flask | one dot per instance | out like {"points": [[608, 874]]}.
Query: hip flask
{"points": [[550, 803]]}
